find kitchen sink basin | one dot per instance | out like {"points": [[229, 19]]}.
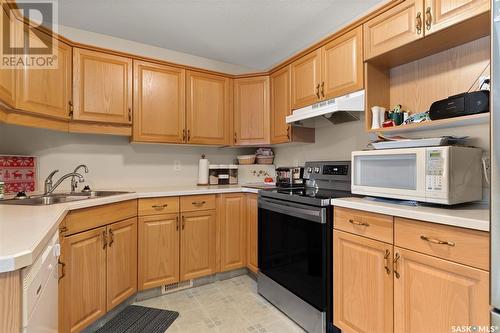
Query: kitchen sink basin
{"points": [[60, 198]]}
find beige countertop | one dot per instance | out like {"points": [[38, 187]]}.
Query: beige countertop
{"points": [[472, 216], [25, 230]]}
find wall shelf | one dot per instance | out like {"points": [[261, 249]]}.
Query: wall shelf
{"points": [[475, 119]]}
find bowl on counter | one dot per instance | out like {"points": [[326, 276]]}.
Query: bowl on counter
{"points": [[246, 159]]}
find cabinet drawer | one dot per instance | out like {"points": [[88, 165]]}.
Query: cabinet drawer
{"points": [[162, 205], [89, 218], [193, 203], [371, 225], [465, 246]]}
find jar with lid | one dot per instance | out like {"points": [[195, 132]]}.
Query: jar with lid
{"points": [[213, 174], [233, 174]]}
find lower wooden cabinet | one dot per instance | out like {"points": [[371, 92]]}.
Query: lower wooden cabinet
{"points": [[82, 297], [435, 295], [363, 284], [98, 272], [121, 262], [232, 232], [252, 218], [158, 250], [198, 245]]}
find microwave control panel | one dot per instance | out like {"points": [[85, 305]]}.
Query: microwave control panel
{"points": [[435, 170]]}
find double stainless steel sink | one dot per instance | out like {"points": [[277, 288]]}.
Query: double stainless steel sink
{"points": [[60, 198]]}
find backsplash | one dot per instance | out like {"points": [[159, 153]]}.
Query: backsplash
{"points": [[19, 173]]}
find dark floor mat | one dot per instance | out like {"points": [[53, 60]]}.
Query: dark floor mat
{"points": [[140, 319]]}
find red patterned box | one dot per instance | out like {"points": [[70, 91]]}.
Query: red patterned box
{"points": [[19, 173]]}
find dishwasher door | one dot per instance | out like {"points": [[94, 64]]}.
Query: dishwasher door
{"points": [[40, 291]]}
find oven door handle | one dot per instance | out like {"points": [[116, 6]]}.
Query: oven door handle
{"points": [[313, 214]]}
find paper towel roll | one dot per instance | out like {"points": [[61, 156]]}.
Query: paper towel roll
{"points": [[203, 171]]}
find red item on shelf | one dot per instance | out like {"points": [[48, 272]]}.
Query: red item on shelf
{"points": [[388, 123]]}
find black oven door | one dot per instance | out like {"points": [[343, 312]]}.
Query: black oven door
{"points": [[293, 248]]}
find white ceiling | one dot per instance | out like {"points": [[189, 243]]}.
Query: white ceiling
{"points": [[255, 34]]}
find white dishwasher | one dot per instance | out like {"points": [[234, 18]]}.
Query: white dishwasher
{"points": [[40, 291]]}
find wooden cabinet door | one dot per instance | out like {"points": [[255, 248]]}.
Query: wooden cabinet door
{"points": [[280, 105], [7, 83], [305, 79], [121, 261], [102, 87], [197, 250], [433, 295], [343, 64], [232, 232], [441, 14], [252, 212], [84, 283], [47, 91], [158, 250], [159, 103], [251, 111], [208, 108], [362, 284], [394, 28]]}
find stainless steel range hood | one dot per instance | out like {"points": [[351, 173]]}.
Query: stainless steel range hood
{"points": [[333, 111]]}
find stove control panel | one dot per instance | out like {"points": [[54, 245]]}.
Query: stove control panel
{"points": [[336, 170]]}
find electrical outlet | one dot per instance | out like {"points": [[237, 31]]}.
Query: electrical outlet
{"points": [[177, 165]]}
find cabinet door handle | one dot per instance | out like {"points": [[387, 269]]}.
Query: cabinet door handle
{"points": [[235, 137], [428, 18], [436, 241], [70, 113], [63, 269], [104, 239], [395, 268], [184, 135], [323, 89], [317, 91], [111, 237], [288, 132], [189, 135], [159, 207], [363, 224], [177, 223], [386, 259], [419, 23], [129, 114], [183, 222]]}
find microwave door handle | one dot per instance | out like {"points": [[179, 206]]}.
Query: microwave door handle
{"points": [[315, 215]]}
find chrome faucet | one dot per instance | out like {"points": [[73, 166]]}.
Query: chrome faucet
{"points": [[49, 187], [74, 182]]}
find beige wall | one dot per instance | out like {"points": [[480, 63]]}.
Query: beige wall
{"points": [[113, 161]]}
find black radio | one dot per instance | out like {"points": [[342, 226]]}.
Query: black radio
{"points": [[461, 105]]}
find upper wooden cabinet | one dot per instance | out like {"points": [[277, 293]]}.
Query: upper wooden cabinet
{"points": [[232, 232], [332, 70], [251, 111], [441, 14], [158, 234], [363, 284], [342, 61], [47, 91], [280, 105], [432, 295], [306, 79], [208, 108], [102, 87], [396, 27], [7, 87], [159, 103]]}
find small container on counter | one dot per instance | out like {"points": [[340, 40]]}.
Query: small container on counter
{"points": [[223, 174], [213, 174], [233, 174]]}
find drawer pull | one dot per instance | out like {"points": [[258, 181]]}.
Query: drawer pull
{"points": [[386, 258], [364, 224], [436, 241], [160, 207], [395, 262], [198, 203]]}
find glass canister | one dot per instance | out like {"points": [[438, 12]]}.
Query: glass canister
{"points": [[213, 174], [233, 174]]}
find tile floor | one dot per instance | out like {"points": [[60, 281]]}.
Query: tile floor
{"points": [[231, 305]]}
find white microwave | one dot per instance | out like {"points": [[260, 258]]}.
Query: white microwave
{"points": [[444, 175]]}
